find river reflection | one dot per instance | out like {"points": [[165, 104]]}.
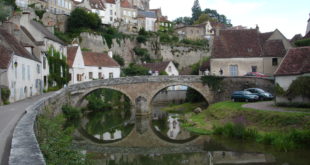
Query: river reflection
{"points": [[159, 139]]}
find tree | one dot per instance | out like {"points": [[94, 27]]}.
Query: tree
{"points": [[203, 18], [119, 60], [81, 19], [183, 20], [196, 10], [5, 11]]}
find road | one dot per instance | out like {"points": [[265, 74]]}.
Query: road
{"points": [[9, 116]]}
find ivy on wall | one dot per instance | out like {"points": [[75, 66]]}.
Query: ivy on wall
{"points": [[59, 70], [214, 82]]}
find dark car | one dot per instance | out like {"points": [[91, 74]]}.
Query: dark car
{"points": [[263, 95], [244, 96], [255, 74]]}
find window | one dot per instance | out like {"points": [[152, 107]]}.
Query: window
{"points": [[90, 75], [79, 77], [233, 70], [100, 75], [110, 75], [111, 18], [169, 69], [254, 68], [274, 61], [111, 12], [23, 72], [38, 68], [44, 62]]}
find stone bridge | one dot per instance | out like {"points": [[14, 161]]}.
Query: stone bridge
{"points": [[142, 89]]}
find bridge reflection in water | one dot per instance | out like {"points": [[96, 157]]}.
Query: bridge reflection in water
{"points": [[144, 146]]}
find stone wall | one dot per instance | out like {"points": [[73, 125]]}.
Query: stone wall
{"points": [[231, 84], [25, 148], [169, 96], [183, 55], [58, 21]]}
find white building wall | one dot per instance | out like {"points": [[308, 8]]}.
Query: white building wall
{"points": [[25, 79], [150, 24], [78, 68], [104, 70], [171, 70], [244, 65], [110, 14]]}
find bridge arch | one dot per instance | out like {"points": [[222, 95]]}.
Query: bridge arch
{"points": [[201, 89]]}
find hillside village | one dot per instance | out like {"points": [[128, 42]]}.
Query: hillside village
{"points": [[40, 51]]}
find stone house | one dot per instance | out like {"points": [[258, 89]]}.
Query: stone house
{"points": [[20, 69], [41, 38], [157, 68], [198, 32], [112, 12], [146, 20], [87, 66], [296, 63], [128, 15], [236, 52]]}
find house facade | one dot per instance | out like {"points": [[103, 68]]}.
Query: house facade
{"points": [[146, 20], [20, 70], [158, 68], [237, 52], [88, 66], [296, 63]]}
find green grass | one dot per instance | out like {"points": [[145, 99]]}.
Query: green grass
{"points": [[182, 108], [284, 130], [297, 109]]}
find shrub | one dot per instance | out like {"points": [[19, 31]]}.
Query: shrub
{"points": [[40, 13], [5, 95], [299, 87], [71, 113], [120, 60], [143, 54], [80, 18], [279, 90], [135, 70], [301, 43], [214, 82], [141, 39]]}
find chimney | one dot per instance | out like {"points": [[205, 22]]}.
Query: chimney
{"points": [[110, 53], [257, 28]]}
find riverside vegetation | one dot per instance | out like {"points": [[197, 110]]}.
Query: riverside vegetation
{"points": [[284, 130]]}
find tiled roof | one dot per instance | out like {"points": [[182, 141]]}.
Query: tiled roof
{"points": [[126, 4], [38, 43], [47, 34], [98, 59], [97, 4], [158, 66], [274, 48], [71, 53], [163, 19], [110, 1], [5, 56], [148, 14], [295, 62], [246, 43], [13, 45]]}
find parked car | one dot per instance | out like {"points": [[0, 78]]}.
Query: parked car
{"points": [[255, 74], [244, 96], [263, 95]]}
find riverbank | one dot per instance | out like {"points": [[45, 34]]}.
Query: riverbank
{"points": [[286, 130]]}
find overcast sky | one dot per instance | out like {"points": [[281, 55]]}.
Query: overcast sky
{"points": [[289, 16]]}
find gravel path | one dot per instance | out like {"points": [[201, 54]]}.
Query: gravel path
{"points": [[9, 116], [267, 106]]}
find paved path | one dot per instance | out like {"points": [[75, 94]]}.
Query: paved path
{"points": [[9, 116], [267, 106]]}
